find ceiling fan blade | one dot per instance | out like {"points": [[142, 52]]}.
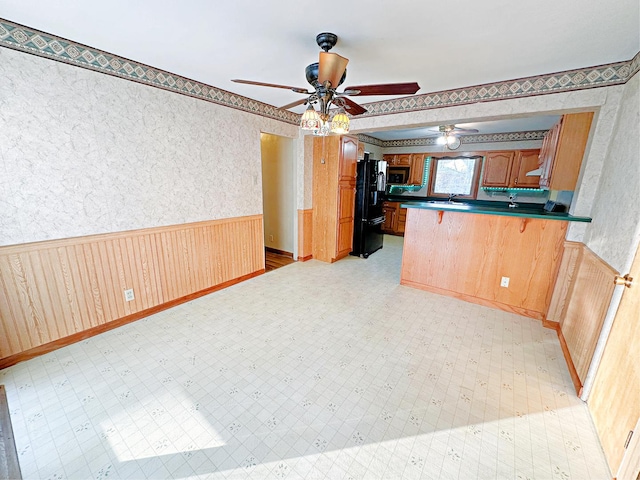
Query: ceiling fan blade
{"points": [[352, 107], [464, 130], [262, 84], [331, 67], [386, 89], [293, 104]]}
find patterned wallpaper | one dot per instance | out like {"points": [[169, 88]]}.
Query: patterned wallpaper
{"points": [[83, 153], [616, 209], [32, 41]]}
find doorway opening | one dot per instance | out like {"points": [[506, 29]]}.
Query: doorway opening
{"points": [[278, 199]]}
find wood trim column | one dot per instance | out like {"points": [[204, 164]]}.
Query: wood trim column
{"points": [[305, 234]]}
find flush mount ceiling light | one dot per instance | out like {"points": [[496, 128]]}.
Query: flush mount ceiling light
{"points": [[449, 135], [325, 77]]}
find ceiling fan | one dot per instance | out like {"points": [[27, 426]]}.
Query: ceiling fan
{"points": [[325, 77], [449, 135]]}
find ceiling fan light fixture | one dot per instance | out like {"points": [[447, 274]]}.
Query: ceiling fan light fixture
{"points": [[310, 119], [453, 142], [340, 124], [331, 68]]}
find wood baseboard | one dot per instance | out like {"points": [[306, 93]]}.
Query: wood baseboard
{"points": [[567, 357], [551, 324], [279, 252], [77, 337], [304, 259], [480, 301], [9, 454]]}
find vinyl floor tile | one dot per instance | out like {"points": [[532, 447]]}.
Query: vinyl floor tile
{"points": [[309, 371]]}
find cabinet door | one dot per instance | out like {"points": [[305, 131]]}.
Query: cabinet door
{"points": [[417, 169], [346, 210], [390, 159], [389, 224], [348, 158], [402, 218], [548, 153], [403, 160], [525, 161], [497, 169], [572, 141]]}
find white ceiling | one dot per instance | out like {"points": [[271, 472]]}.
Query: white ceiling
{"points": [[441, 45]]}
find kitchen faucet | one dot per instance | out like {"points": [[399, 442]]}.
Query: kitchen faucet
{"points": [[512, 203], [451, 195]]}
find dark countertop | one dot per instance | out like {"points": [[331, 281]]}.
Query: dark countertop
{"points": [[524, 210]]}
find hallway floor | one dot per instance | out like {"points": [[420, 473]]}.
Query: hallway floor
{"points": [[312, 371], [274, 260]]}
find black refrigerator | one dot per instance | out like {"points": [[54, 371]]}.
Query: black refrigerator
{"points": [[369, 216]]}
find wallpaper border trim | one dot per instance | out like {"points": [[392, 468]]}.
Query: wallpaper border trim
{"points": [[29, 40], [533, 135]]}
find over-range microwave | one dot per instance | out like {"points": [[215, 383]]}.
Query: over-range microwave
{"points": [[398, 175]]}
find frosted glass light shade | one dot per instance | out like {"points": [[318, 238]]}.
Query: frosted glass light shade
{"points": [[310, 119], [340, 124]]}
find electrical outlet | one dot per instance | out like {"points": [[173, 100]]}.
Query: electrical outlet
{"points": [[128, 295], [504, 282], [271, 238]]}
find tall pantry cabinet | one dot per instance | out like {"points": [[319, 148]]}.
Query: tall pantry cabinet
{"points": [[334, 189]]}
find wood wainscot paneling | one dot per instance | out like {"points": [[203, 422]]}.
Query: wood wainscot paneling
{"points": [[579, 304], [305, 234], [465, 255], [60, 289]]}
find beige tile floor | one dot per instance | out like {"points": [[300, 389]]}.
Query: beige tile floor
{"points": [[311, 371]]}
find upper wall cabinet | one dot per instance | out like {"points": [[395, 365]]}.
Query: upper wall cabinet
{"points": [[562, 151], [398, 159], [497, 169], [416, 171], [525, 161], [508, 169]]}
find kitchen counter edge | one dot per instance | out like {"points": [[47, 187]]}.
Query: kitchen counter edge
{"points": [[485, 210]]}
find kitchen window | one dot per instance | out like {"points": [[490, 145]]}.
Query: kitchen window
{"points": [[457, 176]]}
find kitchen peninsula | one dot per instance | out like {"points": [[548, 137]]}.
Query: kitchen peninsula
{"points": [[469, 251]]}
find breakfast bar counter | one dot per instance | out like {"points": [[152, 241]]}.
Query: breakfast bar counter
{"points": [[494, 208], [505, 258]]}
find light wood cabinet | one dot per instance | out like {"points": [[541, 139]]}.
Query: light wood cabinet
{"points": [[403, 160], [334, 183], [398, 159], [497, 169], [360, 150], [389, 224], [416, 170], [402, 220], [562, 151], [394, 218], [525, 161], [508, 169], [389, 158]]}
